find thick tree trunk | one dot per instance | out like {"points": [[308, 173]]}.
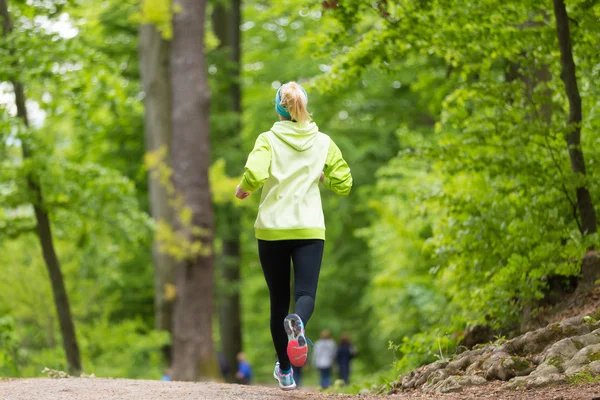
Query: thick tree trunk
{"points": [[193, 348], [226, 22], [44, 231], [587, 213], [154, 65]]}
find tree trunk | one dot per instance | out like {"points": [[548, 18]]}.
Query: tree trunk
{"points": [[229, 300], [154, 66], [193, 348], [44, 230], [226, 23], [585, 206]]}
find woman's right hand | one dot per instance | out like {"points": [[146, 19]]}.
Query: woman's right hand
{"points": [[241, 193]]}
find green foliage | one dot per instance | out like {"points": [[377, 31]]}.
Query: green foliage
{"points": [[423, 348], [477, 210], [127, 349], [9, 346], [159, 13], [184, 241]]}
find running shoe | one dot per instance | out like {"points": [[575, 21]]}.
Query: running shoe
{"points": [[286, 381], [297, 348]]}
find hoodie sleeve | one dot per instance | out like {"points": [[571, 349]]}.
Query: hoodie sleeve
{"points": [[257, 166], [338, 178]]}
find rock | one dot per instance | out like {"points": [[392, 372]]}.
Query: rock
{"points": [[521, 366], [589, 339], [460, 364], [565, 348], [540, 358], [594, 367], [537, 360], [545, 380], [434, 378], [537, 341], [454, 383], [546, 369], [421, 376], [519, 382], [475, 368], [474, 380], [532, 382], [583, 357], [364, 392], [439, 386], [494, 368], [450, 385]]}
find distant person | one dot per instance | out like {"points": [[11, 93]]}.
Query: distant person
{"points": [[345, 353], [223, 365], [244, 373], [298, 375], [288, 162], [324, 357], [166, 375]]}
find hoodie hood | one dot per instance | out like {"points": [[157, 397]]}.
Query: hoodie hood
{"points": [[300, 137]]}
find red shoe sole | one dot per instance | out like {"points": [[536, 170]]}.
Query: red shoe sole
{"points": [[297, 354]]}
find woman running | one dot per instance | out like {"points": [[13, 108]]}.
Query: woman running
{"points": [[288, 162]]}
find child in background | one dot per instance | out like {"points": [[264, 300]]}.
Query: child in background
{"points": [[325, 354], [244, 373], [345, 353]]}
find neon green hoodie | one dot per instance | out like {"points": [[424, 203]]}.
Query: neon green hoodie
{"points": [[288, 161]]}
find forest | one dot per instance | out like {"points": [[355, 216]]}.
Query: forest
{"points": [[472, 130]]}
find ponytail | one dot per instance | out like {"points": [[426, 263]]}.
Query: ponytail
{"points": [[291, 101]]}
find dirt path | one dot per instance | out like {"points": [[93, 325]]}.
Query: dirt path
{"points": [[123, 389]]}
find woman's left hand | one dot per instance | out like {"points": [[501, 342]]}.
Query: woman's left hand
{"points": [[241, 193]]}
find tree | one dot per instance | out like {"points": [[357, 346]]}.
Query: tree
{"points": [[193, 347], [43, 226], [154, 62], [226, 23], [585, 205]]}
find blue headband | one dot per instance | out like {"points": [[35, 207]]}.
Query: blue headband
{"points": [[281, 110]]}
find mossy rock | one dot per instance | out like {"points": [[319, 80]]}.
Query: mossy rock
{"points": [[578, 344], [569, 330], [595, 315], [556, 329], [520, 364], [584, 377], [595, 356], [556, 362]]}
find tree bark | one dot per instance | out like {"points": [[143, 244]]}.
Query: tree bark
{"points": [[585, 206], [226, 23], [154, 68], [44, 230], [229, 300], [193, 348]]}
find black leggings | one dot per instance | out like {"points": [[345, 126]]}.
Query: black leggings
{"points": [[275, 257]]}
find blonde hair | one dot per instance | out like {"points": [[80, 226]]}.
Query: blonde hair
{"points": [[294, 99]]}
